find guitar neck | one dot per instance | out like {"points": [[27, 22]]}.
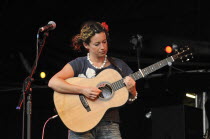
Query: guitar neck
{"points": [[144, 72]]}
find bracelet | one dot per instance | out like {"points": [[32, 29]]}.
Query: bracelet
{"points": [[132, 99]]}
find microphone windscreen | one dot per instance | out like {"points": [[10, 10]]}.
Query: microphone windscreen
{"points": [[53, 24]]}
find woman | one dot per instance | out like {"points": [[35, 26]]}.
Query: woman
{"points": [[94, 38]]}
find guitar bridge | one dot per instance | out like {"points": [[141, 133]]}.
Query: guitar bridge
{"points": [[84, 103]]}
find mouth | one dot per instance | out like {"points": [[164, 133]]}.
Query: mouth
{"points": [[103, 52]]}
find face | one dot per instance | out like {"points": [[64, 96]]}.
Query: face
{"points": [[98, 45]]}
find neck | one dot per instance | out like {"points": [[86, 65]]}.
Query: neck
{"points": [[96, 59]]}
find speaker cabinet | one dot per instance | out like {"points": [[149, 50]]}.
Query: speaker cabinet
{"points": [[177, 122]]}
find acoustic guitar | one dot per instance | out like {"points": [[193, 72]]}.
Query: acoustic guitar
{"points": [[81, 114]]}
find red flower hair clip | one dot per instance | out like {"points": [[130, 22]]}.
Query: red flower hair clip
{"points": [[104, 24]]}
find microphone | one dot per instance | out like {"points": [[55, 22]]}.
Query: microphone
{"points": [[50, 26]]}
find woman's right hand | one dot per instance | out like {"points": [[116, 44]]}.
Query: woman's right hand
{"points": [[91, 92]]}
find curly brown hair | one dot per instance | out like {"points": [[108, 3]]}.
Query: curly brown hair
{"points": [[88, 30]]}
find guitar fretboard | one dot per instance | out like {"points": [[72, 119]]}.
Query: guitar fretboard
{"points": [[144, 72]]}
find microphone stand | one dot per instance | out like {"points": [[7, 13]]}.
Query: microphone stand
{"points": [[27, 91], [137, 45]]}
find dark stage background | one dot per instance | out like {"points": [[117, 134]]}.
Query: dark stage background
{"points": [[160, 23]]}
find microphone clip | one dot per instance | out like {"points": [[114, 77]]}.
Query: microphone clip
{"points": [[136, 40]]}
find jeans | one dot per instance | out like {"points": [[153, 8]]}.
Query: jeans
{"points": [[104, 130]]}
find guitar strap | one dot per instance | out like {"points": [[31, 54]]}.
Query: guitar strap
{"points": [[112, 61]]}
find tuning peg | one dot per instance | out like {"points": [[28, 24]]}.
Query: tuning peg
{"points": [[187, 59], [176, 51], [191, 55], [181, 58]]}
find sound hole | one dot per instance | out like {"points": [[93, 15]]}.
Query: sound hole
{"points": [[106, 91]]}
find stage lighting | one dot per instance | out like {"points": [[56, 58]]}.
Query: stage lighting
{"points": [[42, 75], [168, 49], [190, 95]]}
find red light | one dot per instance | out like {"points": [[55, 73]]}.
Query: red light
{"points": [[168, 49]]}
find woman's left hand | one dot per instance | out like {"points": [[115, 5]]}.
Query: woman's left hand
{"points": [[131, 85]]}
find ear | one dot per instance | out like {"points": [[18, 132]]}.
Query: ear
{"points": [[85, 45]]}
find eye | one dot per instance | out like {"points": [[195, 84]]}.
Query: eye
{"points": [[97, 44], [105, 41]]}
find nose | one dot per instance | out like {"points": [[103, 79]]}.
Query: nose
{"points": [[103, 45]]}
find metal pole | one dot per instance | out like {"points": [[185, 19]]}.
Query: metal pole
{"points": [[29, 111], [205, 120]]}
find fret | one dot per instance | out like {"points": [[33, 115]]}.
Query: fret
{"points": [[122, 83], [113, 86], [145, 72], [149, 69], [137, 75], [118, 84], [142, 74], [133, 76], [152, 68], [155, 66]]}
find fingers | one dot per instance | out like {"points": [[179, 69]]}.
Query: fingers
{"points": [[129, 82], [94, 93], [127, 79], [93, 97]]}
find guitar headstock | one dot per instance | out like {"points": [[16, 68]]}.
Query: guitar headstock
{"points": [[184, 54]]}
